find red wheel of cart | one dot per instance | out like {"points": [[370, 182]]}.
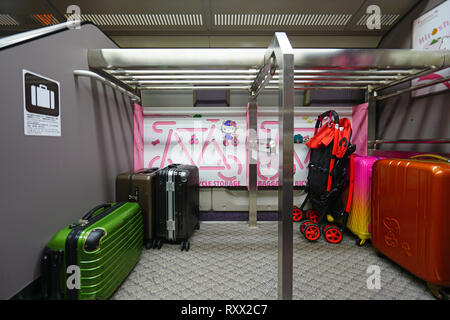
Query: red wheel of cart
{"points": [[333, 234], [297, 214], [304, 224], [313, 215], [325, 226], [312, 232]]}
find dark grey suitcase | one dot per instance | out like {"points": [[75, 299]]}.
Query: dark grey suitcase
{"points": [[176, 204]]}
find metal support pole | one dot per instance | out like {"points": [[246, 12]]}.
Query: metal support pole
{"points": [[284, 58], [253, 160], [372, 114]]}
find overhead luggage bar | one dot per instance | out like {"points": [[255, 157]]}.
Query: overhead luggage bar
{"points": [[419, 86], [90, 74], [374, 144]]}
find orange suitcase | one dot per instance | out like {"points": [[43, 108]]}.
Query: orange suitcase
{"points": [[411, 217]]}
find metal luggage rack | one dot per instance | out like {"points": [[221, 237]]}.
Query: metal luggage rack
{"points": [[279, 67], [237, 69]]}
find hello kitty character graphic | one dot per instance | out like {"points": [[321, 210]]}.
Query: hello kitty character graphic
{"points": [[229, 128]]}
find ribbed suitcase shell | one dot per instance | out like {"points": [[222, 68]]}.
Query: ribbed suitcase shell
{"points": [[359, 219], [411, 216], [140, 184], [186, 202], [104, 269]]}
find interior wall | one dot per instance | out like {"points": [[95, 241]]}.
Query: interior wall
{"points": [[50, 182], [403, 117], [185, 98]]}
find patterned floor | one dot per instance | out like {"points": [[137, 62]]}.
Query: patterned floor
{"points": [[230, 261]]}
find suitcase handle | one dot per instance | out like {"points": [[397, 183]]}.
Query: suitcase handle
{"points": [[149, 170], [88, 215], [435, 156]]}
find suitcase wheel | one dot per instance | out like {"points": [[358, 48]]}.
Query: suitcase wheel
{"points": [[148, 244], [312, 232], [360, 242], [437, 291], [185, 245], [157, 244]]}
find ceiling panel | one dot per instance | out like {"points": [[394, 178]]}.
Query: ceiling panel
{"points": [[391, 12], [208, 18]]}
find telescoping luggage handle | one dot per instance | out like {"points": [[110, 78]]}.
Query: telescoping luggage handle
{"points": [[135, 196], [435, 156]]}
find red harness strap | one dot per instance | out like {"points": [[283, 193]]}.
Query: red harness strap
{"points": [[333, 154]]}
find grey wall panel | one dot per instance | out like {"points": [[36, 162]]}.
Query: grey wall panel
{"points": [[237, 200], [403, 117], [266, 98], [205, 199], [163, 98], [49, 182]]}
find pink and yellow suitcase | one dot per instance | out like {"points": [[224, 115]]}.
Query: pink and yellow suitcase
{"points": [[359, 219]]}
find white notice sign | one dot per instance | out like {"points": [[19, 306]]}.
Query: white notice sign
{"points": [[41, 107]]}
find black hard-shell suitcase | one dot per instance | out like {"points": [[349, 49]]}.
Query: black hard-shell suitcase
{"points": [[176, 204]]}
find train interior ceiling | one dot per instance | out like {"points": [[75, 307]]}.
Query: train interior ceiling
{"points": [[214, 23]]}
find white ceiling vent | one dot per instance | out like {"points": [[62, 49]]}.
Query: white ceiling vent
{"points": [[117, 19], [386, 19], [7, 20], [281, 19]]}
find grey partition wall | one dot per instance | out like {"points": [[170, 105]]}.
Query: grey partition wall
{"points": [[405, 117], [48, 182]]}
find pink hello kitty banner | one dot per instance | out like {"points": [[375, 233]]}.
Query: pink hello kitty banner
{"points": [[432, 32], [215, 141]]}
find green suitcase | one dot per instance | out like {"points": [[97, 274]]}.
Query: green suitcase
{"points": [[91, 258]]}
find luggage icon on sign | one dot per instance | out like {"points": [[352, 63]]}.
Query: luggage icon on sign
{"points": [[42, 97]]}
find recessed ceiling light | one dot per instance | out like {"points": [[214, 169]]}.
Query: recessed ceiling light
{"points": [[115, 19], [7, 20], [285, 19]]}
